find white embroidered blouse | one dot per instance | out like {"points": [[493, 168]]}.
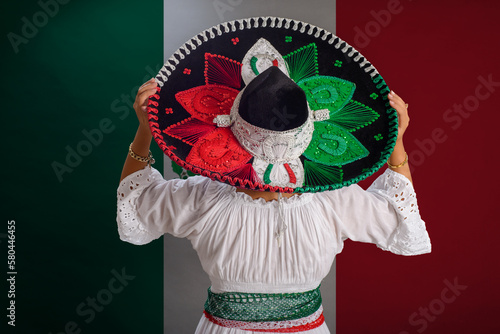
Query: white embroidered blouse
{"points": [[234, 235]]}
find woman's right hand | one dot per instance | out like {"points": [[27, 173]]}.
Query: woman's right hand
{"points": [[141, 101], [143, 136]]}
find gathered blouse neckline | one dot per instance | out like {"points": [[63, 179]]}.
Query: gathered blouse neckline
{"points": [[246, 199]]}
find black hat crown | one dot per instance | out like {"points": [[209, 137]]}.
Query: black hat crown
{"points": [[274, 102]]}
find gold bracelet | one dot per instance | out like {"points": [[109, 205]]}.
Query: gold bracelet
{"points": [[149, 159], [401, 164]]}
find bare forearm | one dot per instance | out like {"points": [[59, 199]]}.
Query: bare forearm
{"points": [[143, 136], [140, 146], [397, 157]]}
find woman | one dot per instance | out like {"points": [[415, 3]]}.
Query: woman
{"points": [[266, 255]]}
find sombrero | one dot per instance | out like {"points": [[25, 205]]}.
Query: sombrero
{"points": [[273, 104]]}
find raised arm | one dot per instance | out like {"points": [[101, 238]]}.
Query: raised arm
{"points": [[387, 213], [398, 160], [142, 139]]}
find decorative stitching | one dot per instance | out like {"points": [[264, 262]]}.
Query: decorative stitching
{"points": [[327, 92], [303, 62], [218, 151], [222, 70], [279, 175], [130, 227], [208, 101], [291, 174], [263, 307], [259, 58], [267, 173], [255, 139], [319, 174], [246, 172], [173, 61], [189, 130], [268, 327], [353, 116], [410, 237], [332, 145], [240, 24]]}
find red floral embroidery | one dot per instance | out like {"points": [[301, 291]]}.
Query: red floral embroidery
{"points": [[189, 130], [169, 111], [222, 70], [206, 102], [218, 151], [235, 40], [187, 71], [245, 173]]}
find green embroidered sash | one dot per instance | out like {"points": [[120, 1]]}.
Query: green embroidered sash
{"points": [[263, 306]]}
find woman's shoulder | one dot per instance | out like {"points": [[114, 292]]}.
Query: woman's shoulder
{"points": [[205, 187], [352, 189]]}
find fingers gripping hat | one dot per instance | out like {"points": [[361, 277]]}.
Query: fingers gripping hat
{"points": [[273, 104]]}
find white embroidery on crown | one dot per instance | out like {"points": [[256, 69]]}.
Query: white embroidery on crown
{"points": [[271, 146], [223, 121], [278, 148], [267, 146], [321, 115], [279, 175], [265, 54]]}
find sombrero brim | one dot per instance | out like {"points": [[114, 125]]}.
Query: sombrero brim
{"points": [[210, 62]]}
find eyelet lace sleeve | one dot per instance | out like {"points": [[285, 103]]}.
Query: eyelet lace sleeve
{"points": [[130, 226], [410, 236], [150, 206]]}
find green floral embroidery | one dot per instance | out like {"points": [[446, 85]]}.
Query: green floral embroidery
{"points": [[353, 116], [329, 98], [318, 174], [336, 144], [332, 145], [325, 92], [302, 63]]}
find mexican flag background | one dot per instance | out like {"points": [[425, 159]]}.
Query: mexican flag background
{"points": [[70, 70]]}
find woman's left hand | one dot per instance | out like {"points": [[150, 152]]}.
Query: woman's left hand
{"points": [[399, 157], [402, 110]]}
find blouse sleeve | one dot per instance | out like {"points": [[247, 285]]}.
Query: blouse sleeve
{"points": [[150, 206], [386, 214]]}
